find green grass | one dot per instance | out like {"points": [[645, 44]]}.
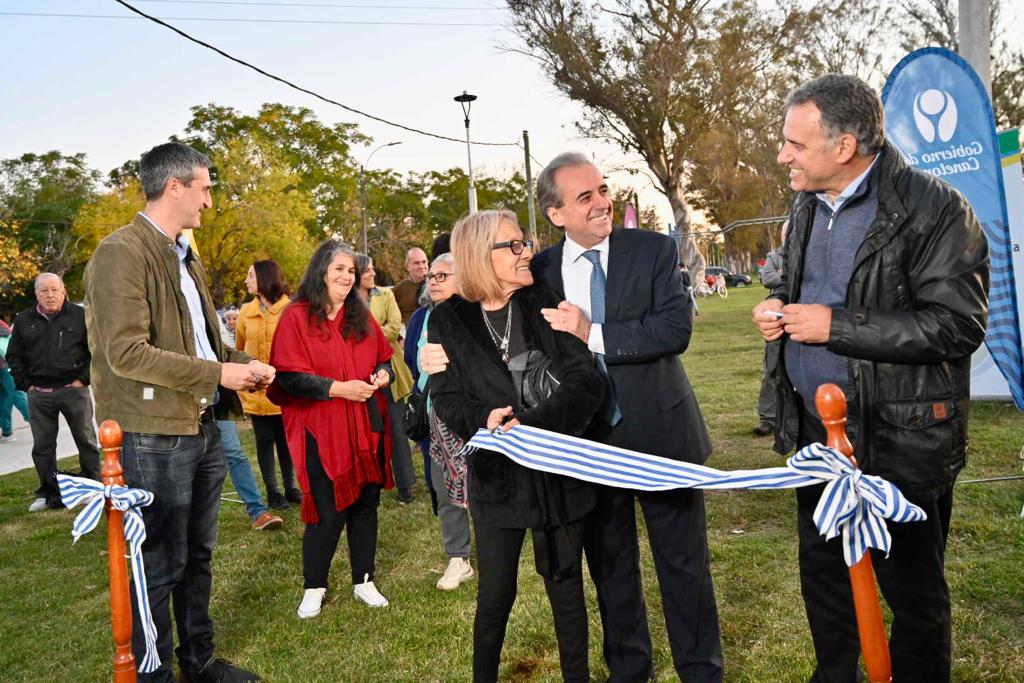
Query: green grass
{"points": [[55, 624]]}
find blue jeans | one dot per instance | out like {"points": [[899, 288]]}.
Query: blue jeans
{"points": [[10, 398], [185, 475], [240, 470]]}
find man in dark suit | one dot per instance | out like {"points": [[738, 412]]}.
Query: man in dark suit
{"points": [[625, 299]]}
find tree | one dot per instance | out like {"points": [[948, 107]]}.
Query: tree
{"points": [[259, 211], [446, 196], [935, 22], [101, 216], [39, 197], [657, 77], [17, 268], [319, 156], [397, 221]]}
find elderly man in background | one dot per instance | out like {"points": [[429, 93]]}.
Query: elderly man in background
{"points": [[49, 358], [408, 291], [884, 292]]}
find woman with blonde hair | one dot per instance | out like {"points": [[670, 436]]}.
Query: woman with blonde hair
{"points": [[497, 316]]}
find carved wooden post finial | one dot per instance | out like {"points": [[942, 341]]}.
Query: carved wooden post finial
{"points": [[831, 404], [120, 604]]}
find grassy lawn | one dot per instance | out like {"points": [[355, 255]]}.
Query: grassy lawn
{"points": [[55, 624]]}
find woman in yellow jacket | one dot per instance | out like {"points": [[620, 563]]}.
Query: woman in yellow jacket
{"points": [[254, 334], [384, 307]]}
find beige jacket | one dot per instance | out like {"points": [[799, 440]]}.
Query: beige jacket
{"points": [[385, 310]]}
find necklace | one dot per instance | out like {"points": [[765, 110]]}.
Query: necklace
{"points": [[500, 341]]}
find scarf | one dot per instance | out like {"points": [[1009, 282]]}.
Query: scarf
{"points": [[341, 428]]}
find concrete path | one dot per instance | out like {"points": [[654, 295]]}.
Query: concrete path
{"points": [[17, 455]]}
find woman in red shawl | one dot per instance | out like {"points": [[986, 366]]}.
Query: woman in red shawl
{"points": [[332, 359]]}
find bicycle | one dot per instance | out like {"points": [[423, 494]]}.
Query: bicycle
{"points": [[719, 287]]}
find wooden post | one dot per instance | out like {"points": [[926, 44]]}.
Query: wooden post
{"points": [[874, 645], [120, 604]]}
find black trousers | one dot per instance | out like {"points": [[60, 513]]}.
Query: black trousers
{"points": [[45, 408], [320, 541], [912, 581], [676, 527], [269, 432], [498, 552]]}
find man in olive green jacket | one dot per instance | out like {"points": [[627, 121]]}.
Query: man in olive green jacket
{"points": [[160, 369]]}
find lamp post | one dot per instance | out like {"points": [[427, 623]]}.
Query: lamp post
{"points": [[466, 100], [362, 188]]}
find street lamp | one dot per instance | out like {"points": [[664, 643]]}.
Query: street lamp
{"points": [[466, 100], [362, 188]]}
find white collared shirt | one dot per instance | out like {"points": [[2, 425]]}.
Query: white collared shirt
{"points": [[576, 271], [204, 349]]}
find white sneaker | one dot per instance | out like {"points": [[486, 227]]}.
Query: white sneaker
{"points": [[7, 438], [458, 571], [312, 599], [38, 505], [369, 594]]}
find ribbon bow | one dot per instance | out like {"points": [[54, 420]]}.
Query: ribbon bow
{"points": [[77, 490], [853, 503]]}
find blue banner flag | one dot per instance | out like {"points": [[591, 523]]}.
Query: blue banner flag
{"points": [[939, 116]]}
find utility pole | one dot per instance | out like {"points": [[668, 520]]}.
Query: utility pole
{"points": [[529, 186], [975, 37]]}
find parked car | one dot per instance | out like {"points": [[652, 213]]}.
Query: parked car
{"points": [[731, 280]]}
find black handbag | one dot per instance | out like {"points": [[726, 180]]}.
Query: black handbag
{"points": [[533, 378], [414, 419]]}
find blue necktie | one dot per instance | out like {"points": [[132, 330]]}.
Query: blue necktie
{"points": [[598, 284]]}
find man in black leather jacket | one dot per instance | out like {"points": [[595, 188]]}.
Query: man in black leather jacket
{"points": [[884, 292]]}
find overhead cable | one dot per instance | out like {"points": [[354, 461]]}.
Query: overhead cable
{"points": [[329, 5], [306, 90], [235, 20]]}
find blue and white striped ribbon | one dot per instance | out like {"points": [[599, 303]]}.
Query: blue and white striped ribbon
{"points": [[853, 503], [77, 490]]}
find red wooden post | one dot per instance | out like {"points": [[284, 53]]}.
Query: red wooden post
{"points": [[120, 604], [874, 645]]}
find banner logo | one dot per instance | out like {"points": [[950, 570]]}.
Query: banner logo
{"points": [[935, 112], [939, 116]]}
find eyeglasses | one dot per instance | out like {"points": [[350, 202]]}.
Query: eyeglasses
{"points": [[440, 277], [516, 246]]}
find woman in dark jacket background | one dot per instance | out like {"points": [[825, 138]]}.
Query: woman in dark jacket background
{"points": [[498, 316]]}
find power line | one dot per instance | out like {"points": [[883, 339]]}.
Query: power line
{"points": [[224, 20], [329, 5], [311, 93]]}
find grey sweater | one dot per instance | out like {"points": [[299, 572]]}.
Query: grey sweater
{"points": [[828, 266]]}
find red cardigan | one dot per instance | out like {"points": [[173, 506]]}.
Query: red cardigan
{"points": [[341, 428]]}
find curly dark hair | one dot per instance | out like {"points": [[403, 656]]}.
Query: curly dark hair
{"points": [[270, 281], [313, 290]]}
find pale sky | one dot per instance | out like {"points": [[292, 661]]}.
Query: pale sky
{"points": [[113, 88]]}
